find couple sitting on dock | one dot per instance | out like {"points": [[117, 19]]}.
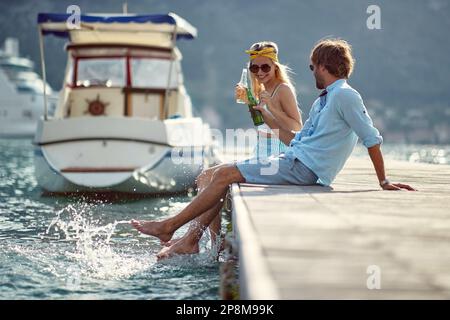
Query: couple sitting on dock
{"points": [[311, 154]]}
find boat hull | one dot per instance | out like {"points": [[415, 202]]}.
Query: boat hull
{"points": [[160, 178], [126, 163]]}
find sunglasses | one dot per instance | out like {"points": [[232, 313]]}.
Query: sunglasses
{"points": [[254, 68]]}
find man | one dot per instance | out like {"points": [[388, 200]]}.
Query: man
{"points": [[315, 154]]}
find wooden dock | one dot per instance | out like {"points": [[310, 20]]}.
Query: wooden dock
{"points": [[351, 241]]}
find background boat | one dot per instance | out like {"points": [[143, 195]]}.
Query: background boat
{"points": [[21, 89]]}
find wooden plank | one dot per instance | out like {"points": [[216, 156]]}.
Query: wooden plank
{"points": [[318, 242]]}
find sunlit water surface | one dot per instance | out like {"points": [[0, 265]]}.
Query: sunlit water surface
{"points": [[79, 248]]}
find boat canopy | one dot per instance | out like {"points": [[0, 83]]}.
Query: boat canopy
{"points": [[148, 30]]}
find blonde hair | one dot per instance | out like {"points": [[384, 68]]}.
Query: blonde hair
{"points": [[335, 55], [281, 72]]}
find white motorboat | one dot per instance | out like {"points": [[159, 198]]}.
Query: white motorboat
{"points": [[124, 120], [21, 89]]}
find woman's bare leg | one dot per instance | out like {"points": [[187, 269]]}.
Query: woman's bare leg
{"points": [[215, 227], [203, 180], [148, 227], [188, 244], [202, 183], [203, 202]]}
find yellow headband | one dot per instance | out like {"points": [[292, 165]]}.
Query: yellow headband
{"points": [[266, 52]]}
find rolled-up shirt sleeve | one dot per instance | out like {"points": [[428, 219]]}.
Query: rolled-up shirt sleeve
{"points": [[354, 112]]}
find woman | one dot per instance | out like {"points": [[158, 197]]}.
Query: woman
{"points": [[271, 83]]}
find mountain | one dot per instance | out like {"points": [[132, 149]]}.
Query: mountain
{"points": [[401, 69]]}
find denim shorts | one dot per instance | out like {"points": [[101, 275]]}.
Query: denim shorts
{"points": [[268, 146], [276, 170]]}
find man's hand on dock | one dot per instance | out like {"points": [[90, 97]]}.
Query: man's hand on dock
{"points": [[378, 163], [398, 186]]}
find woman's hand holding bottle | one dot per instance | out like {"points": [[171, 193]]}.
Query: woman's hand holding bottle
{"points": [[260, 108], [264, 101]]}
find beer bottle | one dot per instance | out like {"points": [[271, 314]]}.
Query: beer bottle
{"points": [[255, 114]]}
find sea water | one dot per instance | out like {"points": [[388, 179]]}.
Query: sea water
{"points": [[84, 248]]}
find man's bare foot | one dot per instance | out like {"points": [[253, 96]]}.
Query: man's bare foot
{"points": [[185, 245], [153, 228]]}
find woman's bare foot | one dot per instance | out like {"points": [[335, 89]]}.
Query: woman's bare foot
{"points": [[185, 245], [170, 242], [157, 229]]}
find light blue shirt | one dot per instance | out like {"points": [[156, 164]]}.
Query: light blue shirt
{"points": [[331, 132]]}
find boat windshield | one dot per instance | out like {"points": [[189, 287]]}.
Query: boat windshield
{"points": [[153, 73], [145, 72], [108, 72]]}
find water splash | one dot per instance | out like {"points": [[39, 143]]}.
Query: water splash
{"points": [[98, 255], [95, 253], [209, 250], [36, 264]]}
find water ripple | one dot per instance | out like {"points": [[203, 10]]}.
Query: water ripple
{"points": [[80, 248]]}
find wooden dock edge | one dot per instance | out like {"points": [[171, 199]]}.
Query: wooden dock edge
{"points": [[256, 281]]}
